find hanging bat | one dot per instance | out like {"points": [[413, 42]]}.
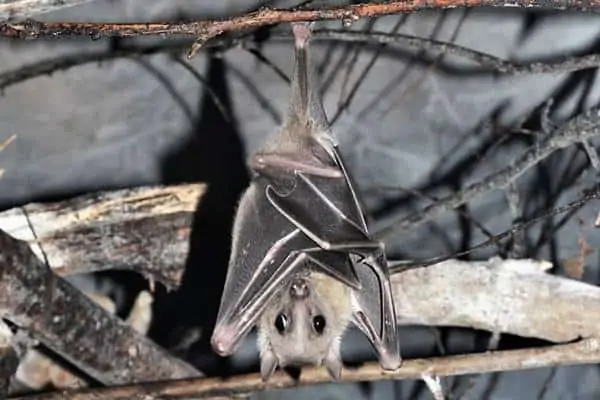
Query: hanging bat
{"points": [[303, 265]]}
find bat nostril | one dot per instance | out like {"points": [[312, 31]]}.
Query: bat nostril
{"points": [[299, 289]]}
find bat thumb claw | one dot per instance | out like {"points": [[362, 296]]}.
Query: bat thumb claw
{"points": [[221, 342]]}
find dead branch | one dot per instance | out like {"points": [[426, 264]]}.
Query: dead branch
{"points": [[507, 296], [205, 30], [489, 62], [19, 9], [585, 351], [581, 127], [145, 229], [73, 326]]}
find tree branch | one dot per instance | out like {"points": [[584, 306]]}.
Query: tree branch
{"points": [[489, 62], [145, 229], [582, 127], [205, 30], [508, 296], [585, 351], [19, 9], [73, 326]]}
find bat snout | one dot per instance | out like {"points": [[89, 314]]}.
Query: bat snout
{"points": [[299, 289]]}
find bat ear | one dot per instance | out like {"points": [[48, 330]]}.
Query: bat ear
{"points": [[333, 361], [268, 364]]}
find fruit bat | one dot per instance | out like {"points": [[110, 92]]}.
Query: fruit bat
{"points": [[303, 265]]}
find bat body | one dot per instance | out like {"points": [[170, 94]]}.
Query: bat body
{"points": [[302, 265]]}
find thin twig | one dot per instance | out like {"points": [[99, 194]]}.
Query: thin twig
{"points": [[211, 93], [572, 207], [585, 351], [494, 64], [582, 127]]}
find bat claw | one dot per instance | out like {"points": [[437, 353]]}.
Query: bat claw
{"points": [[222, 341], [390, 362]]}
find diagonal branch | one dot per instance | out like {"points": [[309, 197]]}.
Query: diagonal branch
{"points": [[580, 128], [73, 326]]}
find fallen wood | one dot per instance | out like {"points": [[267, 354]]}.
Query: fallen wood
{"points": [[145, 229], [73, 326], [509, 296]]}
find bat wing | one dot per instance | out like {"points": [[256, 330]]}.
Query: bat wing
{"points": [[320, 207], [375, 313], [266, 250]]}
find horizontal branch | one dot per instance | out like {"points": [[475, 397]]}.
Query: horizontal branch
{"points": [[509, 296], [144, 229], [19, 9], [578, 129], [586, 351], [205, 30], [65, 320]]}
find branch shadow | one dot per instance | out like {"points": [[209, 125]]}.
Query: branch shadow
{"points": [[213, 154]]}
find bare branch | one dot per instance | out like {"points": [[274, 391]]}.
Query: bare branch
{"points": [[145, 229], [205, 30], [19, 9], [74, 327], [490, 62], [585, 351], [582, 127], [509, 296]]}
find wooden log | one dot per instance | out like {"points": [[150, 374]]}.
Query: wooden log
{"points": [[72, 325], [145, 229]]}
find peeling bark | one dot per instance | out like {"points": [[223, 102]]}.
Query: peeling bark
{"points": [[145, 229]]}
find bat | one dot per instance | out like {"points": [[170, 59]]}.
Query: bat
{"points": [[303, 266]]}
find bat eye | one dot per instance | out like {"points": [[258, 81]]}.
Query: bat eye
{"points": [[281, 323], [319, 324]]}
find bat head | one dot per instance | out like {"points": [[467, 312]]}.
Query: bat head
{"points": [[304, 323]]}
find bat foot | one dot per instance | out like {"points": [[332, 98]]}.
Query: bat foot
{"points": [[302, 31], [390, 362]]}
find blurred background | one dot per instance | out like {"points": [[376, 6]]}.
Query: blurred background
{"points": [[413, 125]]}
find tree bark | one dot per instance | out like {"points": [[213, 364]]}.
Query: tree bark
{"points": [[66, 321]]}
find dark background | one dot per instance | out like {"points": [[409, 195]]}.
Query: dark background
{"points": [[132, 122]]}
